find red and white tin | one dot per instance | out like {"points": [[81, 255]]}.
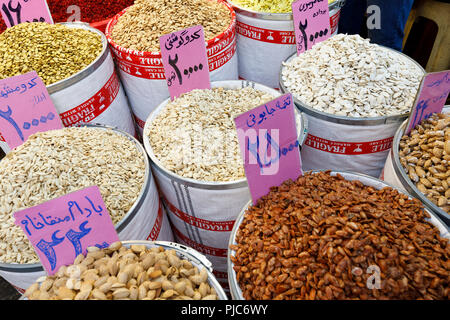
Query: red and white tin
{"points": [[265, 40], [142, 73]]}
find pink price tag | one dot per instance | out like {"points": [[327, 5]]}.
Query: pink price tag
{"points": [[25, 108], [65, 227], [311, 23], [269, 145], [185, 61], [18, 11], [431, 98]]}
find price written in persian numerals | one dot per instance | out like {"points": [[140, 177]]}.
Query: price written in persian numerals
{"points": [[268, 139], [185, 61], [430, 99], [25, 108], [65, 227], [311, 23], [15, 12]]}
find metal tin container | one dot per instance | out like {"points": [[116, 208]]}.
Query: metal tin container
{"points": [[203, 213], [140, 222], [344, 143], [400, 178], [265, 40], [236, 292]]}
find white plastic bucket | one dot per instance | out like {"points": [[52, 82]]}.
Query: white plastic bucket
{"points": [[344, 143], [235, 290], [146, 220], [94, 94], [203, 213], [395, 174], [142, 73], [265, 40]]}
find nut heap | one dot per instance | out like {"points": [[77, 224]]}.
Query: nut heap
{"points": [[120, 273], [195, 136], [54, 163], [54, 51], [348, 76], [425, 156], [141, 26], [274, 6], [324, 237]]}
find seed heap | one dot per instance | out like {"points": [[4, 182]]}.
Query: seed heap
{"points": [[273, 6], [147, 20], [317, 237], [425, 156], [54, 163], [348, 76], [55, 52], [120, 273], [195, 136]]}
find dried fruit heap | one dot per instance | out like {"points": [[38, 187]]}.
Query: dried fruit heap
{"points": [[315, 238]]}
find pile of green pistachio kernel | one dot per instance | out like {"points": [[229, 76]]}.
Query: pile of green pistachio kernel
{"points": [[54, 51]]}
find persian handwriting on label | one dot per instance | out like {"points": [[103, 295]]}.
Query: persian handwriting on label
{"points": [[431, 98], [18, 11], [25, 108], [269, 146], [185, 61], [311, 23], [65, 227]]}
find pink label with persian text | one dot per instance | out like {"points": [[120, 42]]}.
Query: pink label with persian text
{"points": [[269, 146], [18, 11], [185, 61], [63, 228], [25, 108], [311, 23], [431, 98]]}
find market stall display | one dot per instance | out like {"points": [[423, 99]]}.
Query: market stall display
{"points": [[419, 163], [134, 38], [96, 13], [360, 92], [75, 63], [54, 163], [265, 37], [193, 146], [132, 270], [338, 235]]}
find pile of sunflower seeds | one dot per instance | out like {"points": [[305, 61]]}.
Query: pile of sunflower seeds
{"points": [[195, 136], [54, 163], [54, 51], [348, 76]]}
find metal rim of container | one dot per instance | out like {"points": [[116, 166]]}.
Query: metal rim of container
{"points": [[403, 177], [235, 290], [37, 267], [147, 54], [343, 119], [208, 185], [80, 75], [275, 16]]}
